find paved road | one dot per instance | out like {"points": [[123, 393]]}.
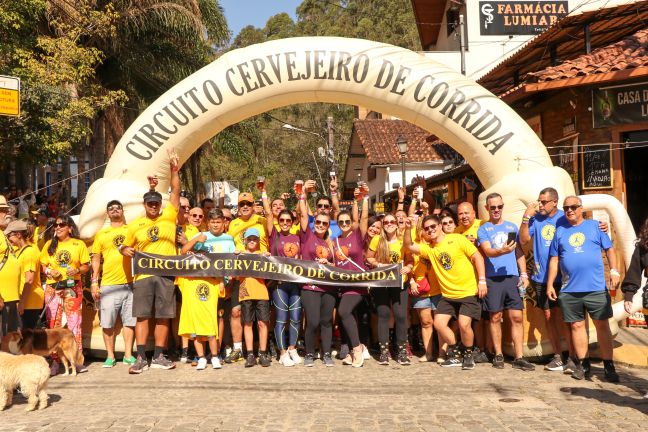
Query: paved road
{"points": [[422, 397]]}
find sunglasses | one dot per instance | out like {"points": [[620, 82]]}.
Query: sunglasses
{"points": [[321, 222], [325, 206], [389, 222], [185, 208], [430, 227], [571, 207], [245, 204], [114, 207], [285, 220], [154, 204], [199, 216], [544, 203], [497, 207], [344, 222], [60, 224], [447, 223]]}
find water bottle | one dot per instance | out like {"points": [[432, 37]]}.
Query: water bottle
{"points": [[69, 281], [521, 290]]}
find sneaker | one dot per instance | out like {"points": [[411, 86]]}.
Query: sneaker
{"points": [[264, 360], [358, 358], [468, 362], [328, 360], [234, 356], [610, 374], [348, 360], [294, 356], [54, 368], [285, 360], [403, 357], [498, 361], [110, 362], [129, 360], [409, 351], [162, 362], [569, 366], [250, 361], [309, 360], [202, 363], [81, 369], [523, 364], [578, 372], [184, 356], [452, 361], [139, 366], [480, 356], [344, 352], [383, 359], [587, 367], [216, 363], [556, 364], [365, 353], [272, 349]]}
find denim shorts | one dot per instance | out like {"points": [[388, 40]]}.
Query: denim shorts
{"points": [[426, 302]]}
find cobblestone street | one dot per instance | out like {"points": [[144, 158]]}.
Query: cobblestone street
{"points": [[421, 397]]}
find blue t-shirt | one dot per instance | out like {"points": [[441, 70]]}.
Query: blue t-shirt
{"points": [[542, 229], [223, 243], [334, 229], [497, 235], [579, 250]]}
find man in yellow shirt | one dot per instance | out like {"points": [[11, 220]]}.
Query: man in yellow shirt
{"points": [[41, 227], [455, 261], [31, 292], [9, 276], [115, 293], [468, 222], [154, 296]]}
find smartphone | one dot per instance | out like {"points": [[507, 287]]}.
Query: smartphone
{"points": [[419, 193], [332, 174], [511, 237]]}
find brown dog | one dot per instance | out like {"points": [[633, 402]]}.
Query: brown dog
{"points": [[44, 342]]}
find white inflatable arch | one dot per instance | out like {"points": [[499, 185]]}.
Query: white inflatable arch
{"points": [[505, 153]]}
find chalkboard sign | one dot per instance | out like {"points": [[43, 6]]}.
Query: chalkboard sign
{"points": [[596, 167]]}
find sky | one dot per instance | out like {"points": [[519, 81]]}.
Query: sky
{"points": [[240, 13]]}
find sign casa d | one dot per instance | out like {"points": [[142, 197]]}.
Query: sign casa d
{"points": [[620, 105], [9, 96]]}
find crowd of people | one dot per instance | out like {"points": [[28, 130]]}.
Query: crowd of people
{"points": [[462, 278]]}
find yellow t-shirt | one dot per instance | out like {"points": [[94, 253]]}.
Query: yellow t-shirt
{"points": [[395, 248], [293, 229], [116, 268], [69, 253], [450, 260], [199, 311], [238, 226], [156, 236], [29, 258], [471, 230], [423, 270], [253, 289], [190, 231], [10, 273]]}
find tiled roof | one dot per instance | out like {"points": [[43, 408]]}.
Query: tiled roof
{"points": [[378, 139], [629, 53]]}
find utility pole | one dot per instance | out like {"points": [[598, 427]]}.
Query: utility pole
{"points": [[462, 45], [330, 153]]}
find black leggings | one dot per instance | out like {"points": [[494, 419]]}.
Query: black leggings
{"points": [[318, 307], [396, 299], [345, 312]]}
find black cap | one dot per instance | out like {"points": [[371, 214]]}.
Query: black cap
{"points": [[152, 196]]}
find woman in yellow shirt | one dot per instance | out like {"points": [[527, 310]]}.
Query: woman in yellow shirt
{"points": [[64, 259], [386, 249]]}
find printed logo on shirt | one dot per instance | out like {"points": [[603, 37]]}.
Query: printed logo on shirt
{"points": [[153, 234], [394, 257], [576, 240], [446, 260], [321, 251], [290, 249], [202, 292], [499, 240], [63, 257], [548, 232], [118, 240]]}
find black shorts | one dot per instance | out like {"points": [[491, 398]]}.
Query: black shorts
{"points": [[234, 300], [466, 306], [10, 317], [503, 294], [255, 309], [154, 297], [574, 305], [543, 301]]}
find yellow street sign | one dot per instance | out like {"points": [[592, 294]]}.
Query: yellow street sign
{"points": [[9, 96]]}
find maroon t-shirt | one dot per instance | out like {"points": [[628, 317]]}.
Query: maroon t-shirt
{"points": [[349, 251], [312, 248], [287, 246]]}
